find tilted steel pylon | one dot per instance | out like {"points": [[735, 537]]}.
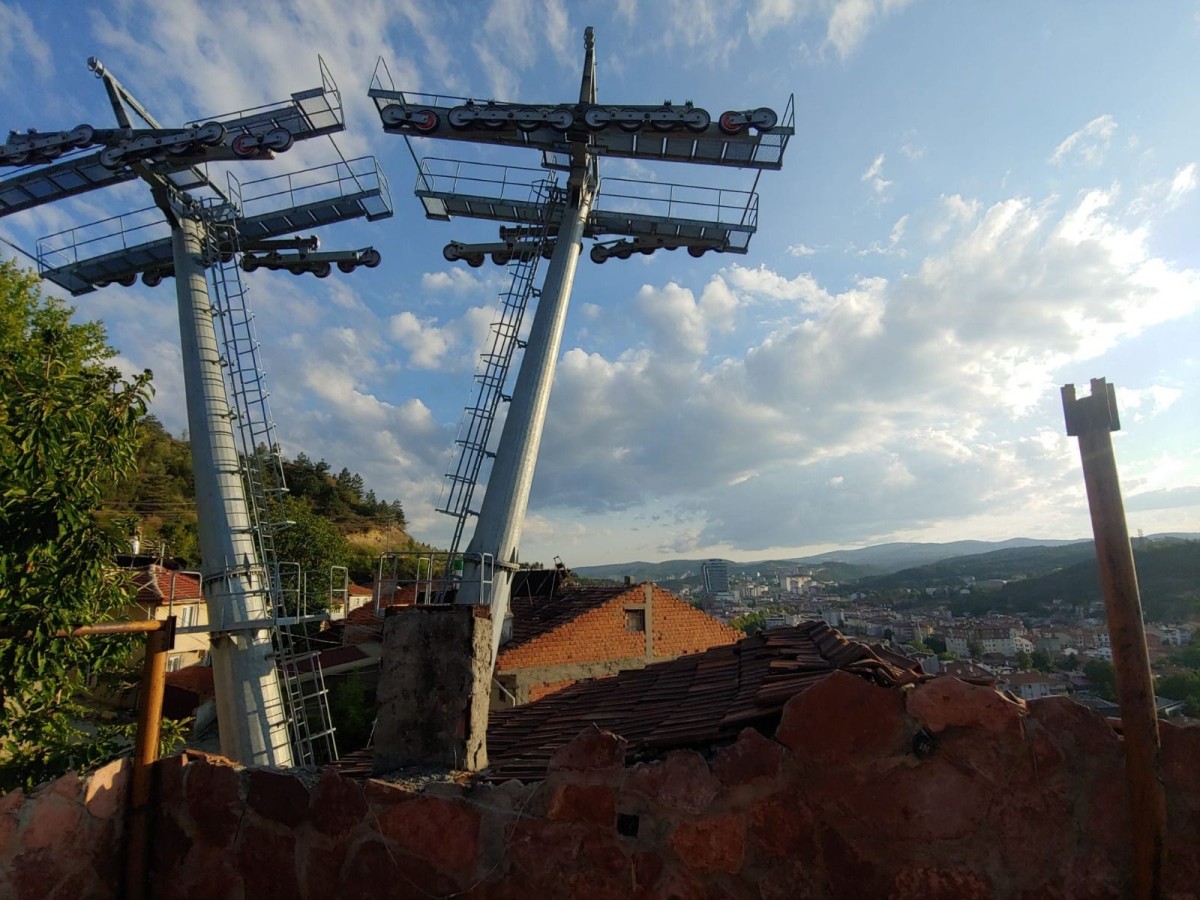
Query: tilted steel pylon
{"points": [[571, 137], [186, 237]]}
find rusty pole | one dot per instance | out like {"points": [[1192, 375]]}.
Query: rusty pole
{"points": [[1092, 419], [145, 752]]}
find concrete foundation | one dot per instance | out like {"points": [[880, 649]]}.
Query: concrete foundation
{"points": [[434, 687]]}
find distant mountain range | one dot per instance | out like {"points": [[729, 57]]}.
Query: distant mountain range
{"points": [[846, 565]]}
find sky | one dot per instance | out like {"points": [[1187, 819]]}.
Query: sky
{"points": [[981, 203]]}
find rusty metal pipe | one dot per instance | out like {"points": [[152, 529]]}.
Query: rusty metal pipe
{"points": [[145, 752], [1092, 419]]}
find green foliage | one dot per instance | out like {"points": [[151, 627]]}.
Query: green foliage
{"points": [[1023, 660], [343, 499], [751, 623], [160, 495], [314, 543], [1103, 678], [352, 709], [68, 425], [1042, 660]]}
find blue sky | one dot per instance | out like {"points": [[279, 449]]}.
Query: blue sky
{"points": [[982, 202]]}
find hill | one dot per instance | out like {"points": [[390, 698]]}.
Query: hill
{"points": [[159, 498], [676, 573], [883, 559], [1008, 564], [836, 565], [1168, 574]]}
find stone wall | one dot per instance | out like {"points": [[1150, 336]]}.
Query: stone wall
{"points": [[943, 791]]}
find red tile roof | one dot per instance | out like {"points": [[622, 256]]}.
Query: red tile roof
{"points": [[693, 701], [158, 585]]}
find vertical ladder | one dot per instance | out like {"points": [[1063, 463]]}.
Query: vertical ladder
{"points": [[310, 723], [474, 432]]}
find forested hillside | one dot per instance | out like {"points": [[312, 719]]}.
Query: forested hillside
{"points": [[338, 518]]}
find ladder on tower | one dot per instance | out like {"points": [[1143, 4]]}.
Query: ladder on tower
{"points": [[310, 725], [475, 429]]}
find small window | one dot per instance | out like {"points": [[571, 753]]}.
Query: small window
{"points": [[174, 662], [187, 616], [635, 620]]}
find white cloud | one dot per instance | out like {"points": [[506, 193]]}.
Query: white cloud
{"points": [[846, 22], [23, 52], [1088, 143], [456, 280], [874, 176], [885, 406], [893, 242], [801, 250]]}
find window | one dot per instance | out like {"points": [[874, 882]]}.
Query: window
{"points": [[635, 620], [187, 616], [174, 662]]}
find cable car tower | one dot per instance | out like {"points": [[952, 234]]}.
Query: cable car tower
{"points": [[547, 213], [197, 232]]}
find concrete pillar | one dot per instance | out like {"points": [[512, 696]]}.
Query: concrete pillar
{"points": [[434, 688], [250, 710], [502, 513]]}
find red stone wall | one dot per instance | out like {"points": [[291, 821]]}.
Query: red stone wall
{"points": [[943, 791]]}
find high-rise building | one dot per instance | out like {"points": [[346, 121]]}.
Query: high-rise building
{"points": [[716, 576]]}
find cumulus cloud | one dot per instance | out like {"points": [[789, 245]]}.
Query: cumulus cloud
{"points": [[1089, 143], [801, 250], [889, 402]]}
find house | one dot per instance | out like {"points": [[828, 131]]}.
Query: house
{"points": [[163, 591], [1035, 685], [561, 633]]}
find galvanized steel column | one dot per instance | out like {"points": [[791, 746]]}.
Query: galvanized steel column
{"points": [[502, 513], [250, 710]]}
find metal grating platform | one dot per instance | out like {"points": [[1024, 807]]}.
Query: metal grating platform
{"points": [[307, 114], [450, 188], [712, 146], [80, 259]]}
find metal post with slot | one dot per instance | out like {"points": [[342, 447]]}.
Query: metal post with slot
{"points": [[1092, 419]]}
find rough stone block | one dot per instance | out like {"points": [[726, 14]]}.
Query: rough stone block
{"points": [[277, 796], [781, 826], [214, 799], [107, 789], [681, 782], [844, 718], [442, 832], [168, 778], [337, 805], [266, 859], [592, 749], [594, 803], [715, 844], [750, 758], [946, 702], [48, 818], [928, 883]]}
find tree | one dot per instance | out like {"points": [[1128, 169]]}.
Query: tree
{"points": [[1042, 660], [315, 544], [1102, 677], [68, 431]]}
